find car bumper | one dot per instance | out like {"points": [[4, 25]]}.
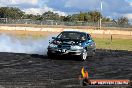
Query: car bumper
{"points": [[64, 51]]}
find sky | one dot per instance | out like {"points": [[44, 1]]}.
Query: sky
{"points": [[110, 8]]}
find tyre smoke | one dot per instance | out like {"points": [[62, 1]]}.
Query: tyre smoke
{"points": [[29, 45]]}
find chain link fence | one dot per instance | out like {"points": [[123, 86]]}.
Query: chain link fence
{"points": [[53, 22]]}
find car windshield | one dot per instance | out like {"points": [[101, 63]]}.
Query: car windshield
{"points": [[72, 36]]}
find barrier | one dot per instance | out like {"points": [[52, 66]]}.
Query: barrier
{"points": [[91, 31]]}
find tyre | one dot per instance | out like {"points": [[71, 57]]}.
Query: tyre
{"points": [[50, 55], [93, 53], [83, 56]]}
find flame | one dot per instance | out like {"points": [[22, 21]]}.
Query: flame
{"points": [[84, 73]]}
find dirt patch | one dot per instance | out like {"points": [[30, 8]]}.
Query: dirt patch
{"points": [[35, 71], [43, 33], [27, 33]]}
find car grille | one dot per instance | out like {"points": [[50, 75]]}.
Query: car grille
{"points": [[64, 46]]}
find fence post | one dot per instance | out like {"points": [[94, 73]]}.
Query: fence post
{"points": [[111, 38]]}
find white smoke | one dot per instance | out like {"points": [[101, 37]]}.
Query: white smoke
{"points": [[28, 45]]}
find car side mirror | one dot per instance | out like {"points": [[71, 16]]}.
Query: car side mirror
{"points": [[53, 37]]}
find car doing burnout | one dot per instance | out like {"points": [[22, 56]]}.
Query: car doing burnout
{"points": [[72, 43]]}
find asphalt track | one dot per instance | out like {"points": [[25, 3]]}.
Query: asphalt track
{"points": [[35, 71]]}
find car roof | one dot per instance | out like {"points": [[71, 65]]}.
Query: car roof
{"points": [[75, 32]]}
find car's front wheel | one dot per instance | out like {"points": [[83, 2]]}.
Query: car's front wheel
{"points": [[93, 53], [83, 56], [50, 55]]}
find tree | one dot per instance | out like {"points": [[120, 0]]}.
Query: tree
{"points": [[91, 16], [105, 19], [50, 16], [84, 17], [67, 18], [11, 12], [74, 17], [81, 16], [122, 21], [87, 17], [95, 15]]}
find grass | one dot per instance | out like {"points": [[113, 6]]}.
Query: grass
{"points": [[115, 44]]}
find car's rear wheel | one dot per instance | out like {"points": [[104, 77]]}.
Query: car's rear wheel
{"points": [[93, 53], [83, 56]]}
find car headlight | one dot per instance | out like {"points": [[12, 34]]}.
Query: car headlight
{"points": [[76, 47], [79, 44], [52, 46]]}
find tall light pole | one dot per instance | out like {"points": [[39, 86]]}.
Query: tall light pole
{"points": [[100, 12]]}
